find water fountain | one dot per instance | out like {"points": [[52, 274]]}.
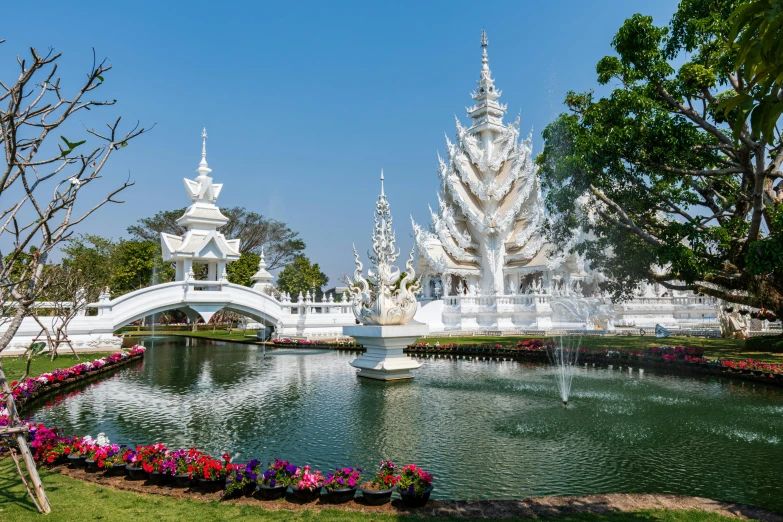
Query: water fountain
{"points": [[564, 356]]}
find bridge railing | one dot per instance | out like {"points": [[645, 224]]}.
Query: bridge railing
{"points": [[310, 308]]}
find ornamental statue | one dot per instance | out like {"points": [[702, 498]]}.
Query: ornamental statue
{"points": [[387, 296]]}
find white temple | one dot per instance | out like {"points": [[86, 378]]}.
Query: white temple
{"points": [[202, 243], [483, 253]]}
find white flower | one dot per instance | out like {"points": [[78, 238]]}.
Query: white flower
{"points": [[102, 439]]}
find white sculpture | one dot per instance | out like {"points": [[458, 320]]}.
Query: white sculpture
{"points": [[384, 305], [377, 302]]}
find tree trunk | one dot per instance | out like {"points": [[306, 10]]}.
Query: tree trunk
{"points": [[22, 443]]}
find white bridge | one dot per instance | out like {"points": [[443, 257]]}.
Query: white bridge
{"points": [[196, 299]]}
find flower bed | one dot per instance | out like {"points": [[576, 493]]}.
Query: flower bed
{"points": [[34, 387], [306, 343], [664, 357], [50, 447]]}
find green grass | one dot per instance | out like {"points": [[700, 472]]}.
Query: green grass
{"points": [[222, 335], [713, 348], [13, 366], [72, 500]]}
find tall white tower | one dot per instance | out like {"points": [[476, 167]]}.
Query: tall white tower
{"points": [[483, 235], [201, 243]]}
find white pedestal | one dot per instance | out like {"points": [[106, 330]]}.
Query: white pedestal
{"points": [[384, 359]]}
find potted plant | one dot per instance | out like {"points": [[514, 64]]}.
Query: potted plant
{"points": [[211, 473], [276, 479], [180, 465], [77, 452], [306, 484], [341, 485], [96, 459], [242, 479], [414, 485], [114, 462], [378, 491], [141, 463]]}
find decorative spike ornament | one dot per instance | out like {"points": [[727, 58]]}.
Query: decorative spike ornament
{"points": [[389, 297]]}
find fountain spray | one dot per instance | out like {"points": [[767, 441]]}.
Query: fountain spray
{"points": [[564, 355]]}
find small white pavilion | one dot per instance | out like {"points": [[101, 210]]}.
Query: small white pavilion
{"points": [[262, 280], [201, 243]]}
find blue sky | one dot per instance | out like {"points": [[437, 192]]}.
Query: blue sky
{"points": [[304, 103]]}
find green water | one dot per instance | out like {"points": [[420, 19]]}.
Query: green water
{"points": [[486, 429]]}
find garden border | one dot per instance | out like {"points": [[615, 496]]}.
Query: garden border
{"points": [[70, 383], [532, 508]]}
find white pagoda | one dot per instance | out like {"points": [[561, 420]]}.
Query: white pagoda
{"points": [[201, 243], [484, 235], [484, 254]]}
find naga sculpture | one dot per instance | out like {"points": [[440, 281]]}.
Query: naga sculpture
{"points": [[387, 296]]}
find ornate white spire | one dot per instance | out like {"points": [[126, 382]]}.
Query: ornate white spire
{"points": [[381, 305], [487, 113], [203, 169], [484, 57]]}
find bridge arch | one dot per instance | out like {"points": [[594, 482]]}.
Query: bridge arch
{"points": [[204, 298]]}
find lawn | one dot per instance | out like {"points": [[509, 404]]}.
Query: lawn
{"points": [[713, 348], [72, 499], [223, 335], [13, 365]]}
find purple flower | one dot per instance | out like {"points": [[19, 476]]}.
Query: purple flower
{"points": [[272, 482]]}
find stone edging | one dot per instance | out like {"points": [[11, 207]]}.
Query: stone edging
{"points": [[532, 508]]}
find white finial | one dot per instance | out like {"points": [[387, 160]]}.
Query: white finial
{"points": [[484, 57], [382, 194], [203, 169]]}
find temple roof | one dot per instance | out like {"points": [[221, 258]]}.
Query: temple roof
{"points": [[201, 220]]}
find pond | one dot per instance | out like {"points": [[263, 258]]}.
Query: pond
{"points": [[486, 429]]}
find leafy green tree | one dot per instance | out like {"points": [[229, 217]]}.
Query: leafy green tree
{"points": [[138, 264], [93, 256], [665, 184], [301, 276], [280, 243], [757, 33], [242, 270]]}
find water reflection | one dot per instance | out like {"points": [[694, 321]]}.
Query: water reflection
{"points": [[486, 429]]}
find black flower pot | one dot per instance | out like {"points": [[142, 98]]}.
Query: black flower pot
{"points": [[183, 480], [211, 485], [136, 473], [376, 498], [76, 461], [305, 495], [411, 500], [160, 479], [339, 496], [115, 470], [270, 492], [248, 489], [92, 465]]}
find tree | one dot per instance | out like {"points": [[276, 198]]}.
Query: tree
{"points": [[757, 35], [243, 269], [93, 256], [280, 243], [39, 187], [138, 264], [301, 276], [665, 185], [123, 266]]}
